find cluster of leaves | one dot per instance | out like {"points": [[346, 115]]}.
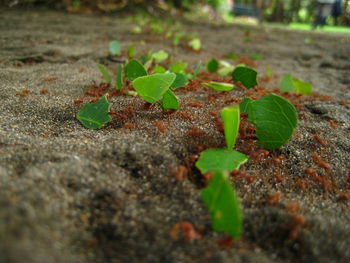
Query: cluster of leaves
{"points": [[274, 118], [168, 28]]}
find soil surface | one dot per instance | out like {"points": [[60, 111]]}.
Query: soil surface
{"points": [[129, 192]]}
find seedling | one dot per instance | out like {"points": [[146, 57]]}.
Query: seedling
{"points": [[94, 115], [114, 48], [212, 160], [223, 204], [219, 86], [246, 76], [274, 118], [289, 84]]}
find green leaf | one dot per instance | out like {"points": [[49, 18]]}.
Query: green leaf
{"points": [[170, 101], [246, 76], [134, 69], [131, 51], [136, 30], [195, 44], [219, 86], [223, 204], [114, 47], [219, 159], [232, 56], [159, 69], [181, 80], [212, 65], [256, 56], [119, 77], [231, 118], [177, 38], [160, 56], [287, 84], [302, 87], [275, 120], [178, 67], [268, 71], [94, 115], [225, 71], [245, 105], [152, 88], [105, 74]]}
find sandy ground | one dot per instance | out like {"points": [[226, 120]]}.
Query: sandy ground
{"points": [[69, 194]]}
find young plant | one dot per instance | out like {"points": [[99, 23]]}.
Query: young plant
{"points": [[94, 115], [289, 84], [214, 159], [274, 118]]}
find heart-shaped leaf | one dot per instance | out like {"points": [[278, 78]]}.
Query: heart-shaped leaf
{"points": [[274, 117], [134, 69], [217, 159], [219, 86], [170, 101], [246, 76], [152, 88], [94, 115], [223, 204], [231, 118], [114, 47]]}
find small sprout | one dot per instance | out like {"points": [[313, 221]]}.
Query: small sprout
{"points": [[274, 117], [195, 44], [105, 74], [246, 76], [134, 69], [289, 84], [136, 30], [159, 69], [114, 47], [94, 115], [179, 67], [219, 86], [181, 80], [212, 65], [160, 56], [223, 204], [119, 78], [170, 101], [131, 51], [152, 88]]}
